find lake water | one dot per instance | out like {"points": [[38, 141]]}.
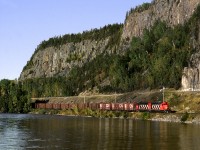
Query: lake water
{"points": [[19, 131]]}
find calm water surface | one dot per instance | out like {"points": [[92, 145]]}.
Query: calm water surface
{"points": [[19, 131]]}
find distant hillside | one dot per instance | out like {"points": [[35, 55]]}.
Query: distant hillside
{"points": [[158, 45], [58, 55]]}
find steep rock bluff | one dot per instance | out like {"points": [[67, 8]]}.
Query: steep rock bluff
{"points": [[52, 61], [60, 60], [173, 12], [191, 74]]}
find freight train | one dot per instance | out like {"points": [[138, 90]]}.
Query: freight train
{"points": [[126, 106]]}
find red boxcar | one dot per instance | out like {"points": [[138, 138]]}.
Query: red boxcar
{"points": [[105, 106], [41, 105], [113, 106], [81, 106], [72, 105], [93, 106], [129, 106], [64, 106], [143, 106], [49, 105], [56, 106], [117, 106]]}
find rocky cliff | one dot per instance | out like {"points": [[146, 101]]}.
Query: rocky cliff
{"points": [[58, 55], [51, 61], [173, 12], [191, 74], [58, 61]]}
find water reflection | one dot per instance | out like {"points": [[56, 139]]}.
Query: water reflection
{"points": [[189, 137], [12, 133], [58, 132]]}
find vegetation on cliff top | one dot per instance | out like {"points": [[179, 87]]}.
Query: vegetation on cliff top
{"points": [[94, 34], [112, 31], [157, 59], [153, 61], [138, 9]]}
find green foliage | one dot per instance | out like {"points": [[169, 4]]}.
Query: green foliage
{"points": [[138, 9], [174, 100], [74, 56], [159, 57], [42, 111], [48, 87], [75, 111], [28, 65], [122, 114], [13, 98], [184, 117], [156, 59], [112, 31], [91, 74], [145, 115]]}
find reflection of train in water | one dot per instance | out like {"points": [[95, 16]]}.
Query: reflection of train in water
{"points": [[126, 106]]}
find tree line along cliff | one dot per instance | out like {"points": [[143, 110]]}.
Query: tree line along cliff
{"points": [[158, 40], [156, 46]]}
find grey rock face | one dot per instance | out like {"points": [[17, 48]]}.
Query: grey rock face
{"points": [[173, 12], [191, 76], [59, 61], [190, 79]]}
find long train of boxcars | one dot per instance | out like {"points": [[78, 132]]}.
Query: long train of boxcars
{"points": [[127, 106]]}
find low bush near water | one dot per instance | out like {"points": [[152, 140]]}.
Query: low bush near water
{"points": [[145, 115], [185, 117]]}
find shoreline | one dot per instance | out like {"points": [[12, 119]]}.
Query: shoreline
{"points": [[186, 118], [186, 105]]}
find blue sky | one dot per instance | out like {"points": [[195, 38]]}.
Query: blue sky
{"points": [[25, 23]]}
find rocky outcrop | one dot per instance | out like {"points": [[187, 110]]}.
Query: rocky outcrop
{"points": [[191, 75], [59, 61], [190, 79], [173, 12]]}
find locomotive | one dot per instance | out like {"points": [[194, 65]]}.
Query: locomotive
{"points": [[125, 106]]}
